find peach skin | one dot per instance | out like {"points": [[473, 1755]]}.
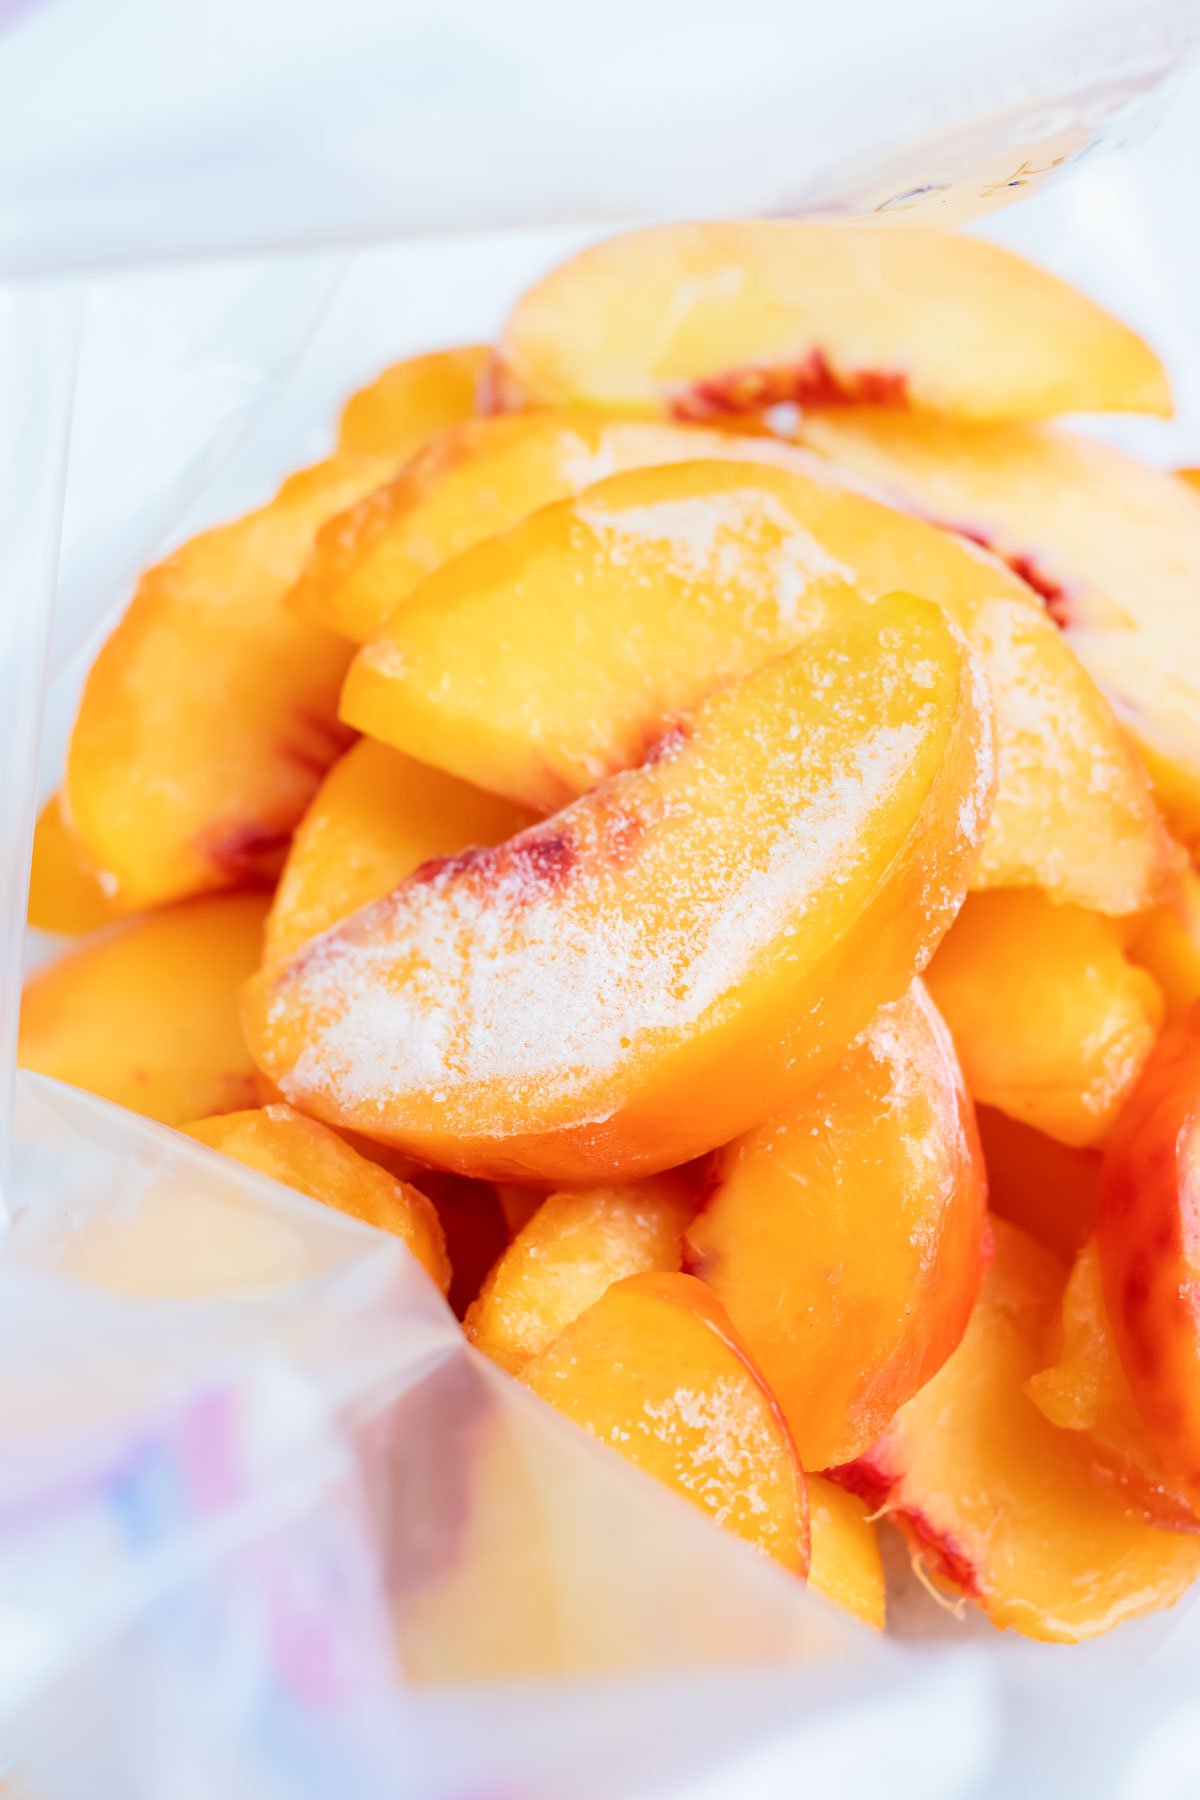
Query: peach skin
{"points": [[1148, 1232], [844, 1235], [1051, 1020], [146, 1014], [282, 1143], [375, 818], [1111, 545], [412, 401], [716, 321], [1084, 1389], [578, 1242], [643, 976], [655, 1369], [1166, 943], [621, 607], [1049, 1189], [1000, 1506], [65, 894], [845, 1563]]}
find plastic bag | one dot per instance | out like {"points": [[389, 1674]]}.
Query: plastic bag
{"points": [[284, 1534]]}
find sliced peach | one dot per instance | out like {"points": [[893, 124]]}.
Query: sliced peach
{"points": [[717, 321], [209, 717], [472, 484], [1148, 1231], [282, 1143], [1085, 1389], [146, 1015], [65, 894], [845, 1564], [620, 608], [376, 817], [576, 1245], [844, 1235], [1049, 1189], [412, 401], [997, 1503], [643, 976], [1112, 545], [1052, 1021], [1166, 943], [655, 1369]]}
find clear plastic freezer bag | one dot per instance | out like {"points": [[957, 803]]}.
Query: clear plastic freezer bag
{"points": [[267, 1525]]}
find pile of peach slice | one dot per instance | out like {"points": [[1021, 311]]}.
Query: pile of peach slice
{"points": [[686, 819]]}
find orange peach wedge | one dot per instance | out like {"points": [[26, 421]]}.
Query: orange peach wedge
{"points": [[643, 976], [412, 401], [1051, 1020], [998, 1504], [713, 322], [1112, 545], [1166, 943], [1084, 1388], [845, 1565], [1148, 1233], [620, 608], [65, 894], [1049, 1189], [146, 1015], [844, 1235], [376, 817], [305, 1155], [655, 1369], [578, 1242]]}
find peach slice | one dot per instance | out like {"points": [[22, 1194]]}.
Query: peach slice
{"points": [[412, 401], [146, 1015], [1148, 1231], [998, 1504], [844, 1235], [618, 609], [719, 321], [1085, 1389], [1166, 943], [655, 1369], [576, 1245], [845, 1563], [376, 817], [643, 976], [65, 894], [1112, 545], [1052, 1021], [302, 1154], [1049, 1189]]}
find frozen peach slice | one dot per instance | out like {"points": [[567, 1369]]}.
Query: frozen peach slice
{"points": [[1112, 545], [643, 976], [578, 1242], [375, 818], [1166, 942], [469, 485], [146, 1015], [623, 606], [65, 894], [1051, 1020], [1148, 1231], [998, 1504], [1050, 1190], [845, 1564], [302, 1154], [412, 401], [844, 1235], [655, 1369], [718, 321], [1085, 1389], [209, 717]]}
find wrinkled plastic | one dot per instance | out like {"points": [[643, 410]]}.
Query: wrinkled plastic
{"points": [[267, 1526]]}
